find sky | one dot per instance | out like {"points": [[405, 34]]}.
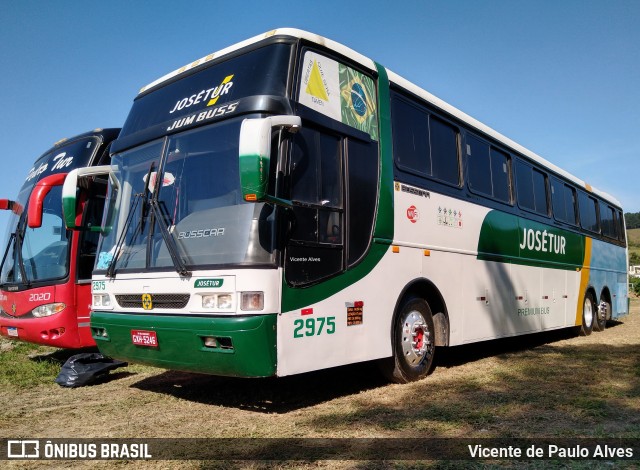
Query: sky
{"points": [[559, 77]]}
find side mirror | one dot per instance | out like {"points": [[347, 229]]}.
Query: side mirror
{"points": [[9, 205], [255, 154], [36, 200], [70, 209]]}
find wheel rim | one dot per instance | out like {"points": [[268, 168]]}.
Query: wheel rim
{"points": [[416, 338], [587, 312]]}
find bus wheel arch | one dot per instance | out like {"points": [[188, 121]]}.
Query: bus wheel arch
{"points": [[420, 323], [603, 311]]}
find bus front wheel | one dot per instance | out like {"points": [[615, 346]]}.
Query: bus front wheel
{"points": [[588, 314], [413, 343]]}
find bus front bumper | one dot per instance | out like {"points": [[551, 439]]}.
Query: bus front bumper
{"points": [[60, 331], [238, 346]]}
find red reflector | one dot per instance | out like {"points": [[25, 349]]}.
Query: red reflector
{"points": [[358, 304], [307, 311]]}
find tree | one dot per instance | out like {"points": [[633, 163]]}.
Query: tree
{"points": [[632, 220]]}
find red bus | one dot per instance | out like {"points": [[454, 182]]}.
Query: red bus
{"points": [[45, 272]]}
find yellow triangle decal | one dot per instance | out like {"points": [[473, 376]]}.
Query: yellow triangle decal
{"points": [[315, 87]]}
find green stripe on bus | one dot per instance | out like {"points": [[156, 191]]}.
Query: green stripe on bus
{"points": [[511, 239]]}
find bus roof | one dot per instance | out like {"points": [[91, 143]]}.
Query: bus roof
{"points": [[394, 78]]}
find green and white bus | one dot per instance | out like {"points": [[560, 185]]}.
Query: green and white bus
{"points": [[287, 205]]}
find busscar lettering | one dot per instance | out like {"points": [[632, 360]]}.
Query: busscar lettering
{"points": [[204, 233], [543, 241]]}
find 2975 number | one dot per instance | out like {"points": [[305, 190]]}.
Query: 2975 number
{"points": [[314, 326]]}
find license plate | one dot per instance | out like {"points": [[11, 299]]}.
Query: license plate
{"points": [[144, 338], [12, 331]]}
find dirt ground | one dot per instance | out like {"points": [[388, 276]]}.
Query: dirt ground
{"points": [[545, 385]]}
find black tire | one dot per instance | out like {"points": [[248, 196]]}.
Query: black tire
{"points": [[601, 317], [589, 313], [413, 343]]}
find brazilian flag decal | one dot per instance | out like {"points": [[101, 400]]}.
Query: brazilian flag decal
{"points": [[358, 101]]}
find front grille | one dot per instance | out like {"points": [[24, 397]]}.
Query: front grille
{"points": [[159, 300]]}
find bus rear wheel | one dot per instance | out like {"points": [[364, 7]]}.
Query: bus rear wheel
{"points": [[588, 314], [603, 313], [413, 343]]}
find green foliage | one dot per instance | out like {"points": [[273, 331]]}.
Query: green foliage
{"points": [[635, 284], [24, 365], [632, 220], [634, 258]]}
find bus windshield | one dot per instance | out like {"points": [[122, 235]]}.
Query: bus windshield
{"points": [[42, 253], [186, 185]]}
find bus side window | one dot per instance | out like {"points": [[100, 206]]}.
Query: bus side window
{"points": [[532, 188], [315, 249], [362, 164], [94, 207]]}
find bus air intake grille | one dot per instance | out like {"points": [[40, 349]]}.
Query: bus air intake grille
{"points": [[159, 300]]}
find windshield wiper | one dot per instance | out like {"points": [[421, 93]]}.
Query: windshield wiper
{"points": [[111, 270], [172, 247], [145, 196], [6, 253]]}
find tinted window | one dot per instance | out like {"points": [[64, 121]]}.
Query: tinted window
{"points": [[622, 234], [488, 169], [500, 175], [423, 143], [362, 161], [315, 250], [588, 214], [532, 188], [540, 192], [563, 201], [608, 221], [444, 151], [411, 138], [479, 165], [260, 72]]}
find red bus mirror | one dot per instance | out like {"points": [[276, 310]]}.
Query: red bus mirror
{"points": [[36, 200]]}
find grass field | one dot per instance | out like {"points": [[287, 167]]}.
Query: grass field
{"points": [[633, 240], [549, 385]]}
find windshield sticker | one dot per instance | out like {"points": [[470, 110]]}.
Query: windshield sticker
{"points": [[210, 96], [339, 92], [104, 260], [167, 180]]}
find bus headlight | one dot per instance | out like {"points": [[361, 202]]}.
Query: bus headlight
{"points": [[217, 301], [101, 301], [225, 301], [48, 310], [252, 301]]}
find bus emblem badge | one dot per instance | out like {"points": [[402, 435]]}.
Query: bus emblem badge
{"points": [[412, 214], [147, 302]]}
